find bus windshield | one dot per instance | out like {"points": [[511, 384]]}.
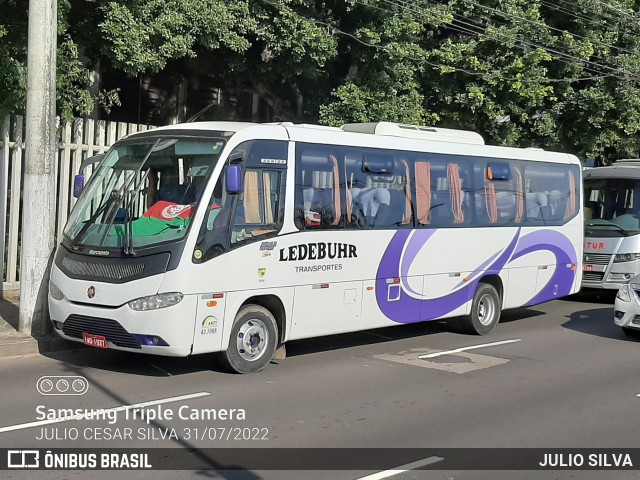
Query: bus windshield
{"points": [[143, 193], [612, 207]]}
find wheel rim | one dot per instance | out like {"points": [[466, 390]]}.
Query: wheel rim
{"points": [[486, 309], [252, 340]]}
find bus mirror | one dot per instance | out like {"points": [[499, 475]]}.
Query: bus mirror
{"points": [[78, 185], [233, 178]]}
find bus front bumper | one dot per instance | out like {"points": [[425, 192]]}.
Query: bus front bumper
{"points": [[626, 310], [165, 331]]}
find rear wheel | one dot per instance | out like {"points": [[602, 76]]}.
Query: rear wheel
{"points": [[253, 340], [485, 311]]}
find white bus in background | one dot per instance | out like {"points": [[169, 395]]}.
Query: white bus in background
{"points": [[612, 225], [239, 237]]}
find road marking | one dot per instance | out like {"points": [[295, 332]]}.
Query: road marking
{"points": [[464, 349], [402, 468], [115, 409], [464, 362]]}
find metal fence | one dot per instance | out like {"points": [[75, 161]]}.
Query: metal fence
{"points": [[77, 140]]}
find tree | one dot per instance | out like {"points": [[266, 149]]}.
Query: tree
{"points": [[73, 77]]}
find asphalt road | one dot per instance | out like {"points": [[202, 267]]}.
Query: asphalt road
{"points": [[558, 375]]}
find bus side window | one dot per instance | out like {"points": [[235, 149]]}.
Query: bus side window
{"points": [[213, 239], [319, 191], [258, 208], [555, 189]]}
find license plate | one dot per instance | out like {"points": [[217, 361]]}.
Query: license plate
{"points": [[94, 340], [588, 268]]}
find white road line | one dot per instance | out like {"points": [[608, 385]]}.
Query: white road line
{"points": [[115, 409], [402, 468], [464, 349]]}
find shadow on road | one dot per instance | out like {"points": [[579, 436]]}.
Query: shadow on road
{"points": [[593, 296], [519, 314], [365, 337], [598, 322], [134, 363]]}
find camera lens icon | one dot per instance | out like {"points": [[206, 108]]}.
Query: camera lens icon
{"points": [[62, 385]]}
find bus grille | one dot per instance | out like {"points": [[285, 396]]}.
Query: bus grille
{"points": [[115, 271], [592, 276], [597, 258], [76, 325]]}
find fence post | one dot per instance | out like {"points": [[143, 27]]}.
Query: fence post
{"points": [[4, 174]]}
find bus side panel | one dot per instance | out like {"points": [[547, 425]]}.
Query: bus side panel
{"points": [[326, 309], [520, 287], [208, 327], [441, 286]]}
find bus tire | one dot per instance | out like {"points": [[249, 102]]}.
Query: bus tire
{"points": [[485, 311], [253, 340]]}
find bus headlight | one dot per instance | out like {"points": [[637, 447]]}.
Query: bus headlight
{"points": [[623, 293], [626, 257], [162, 300], [55, 292]]}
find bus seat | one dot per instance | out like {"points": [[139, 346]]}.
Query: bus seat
{"points": [[506, 202], [534, 202], [367, 202], [557, 203]]}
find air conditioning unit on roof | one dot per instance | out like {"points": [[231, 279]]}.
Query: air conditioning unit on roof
{"points": [[416, 131]]}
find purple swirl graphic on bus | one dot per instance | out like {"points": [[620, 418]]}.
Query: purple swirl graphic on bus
{"points": [[402, 304]]}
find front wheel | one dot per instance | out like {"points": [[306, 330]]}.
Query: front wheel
{"points": [[485, 311], [253, 340]]}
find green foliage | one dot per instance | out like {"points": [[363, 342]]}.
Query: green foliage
{"points": [[560, 75], [13, 43], [73, 82], [141, 35], [73, 77]]}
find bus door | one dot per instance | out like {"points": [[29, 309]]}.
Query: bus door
{"points": [[236, 241]]}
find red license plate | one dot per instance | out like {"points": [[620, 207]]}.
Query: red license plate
{"points": [[588, 268], [94, 340]]}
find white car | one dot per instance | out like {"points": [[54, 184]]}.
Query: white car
{"points": [[626, 312]]}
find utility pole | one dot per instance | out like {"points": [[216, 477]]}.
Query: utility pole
{"points": [[38, 219]]}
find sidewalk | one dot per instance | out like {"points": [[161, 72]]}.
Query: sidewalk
{"points": [[14, 343]]}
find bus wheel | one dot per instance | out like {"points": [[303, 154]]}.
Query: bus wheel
{"points": [[485, 311], [253, 340]]}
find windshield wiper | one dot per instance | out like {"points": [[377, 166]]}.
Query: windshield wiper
{"points": [[609, 224], [128, 226], [114, 197], [124, 188]]}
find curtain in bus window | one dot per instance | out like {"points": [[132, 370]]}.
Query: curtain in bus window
{"points": [[336, 190], [268, 210], [519, 196], [571, 203], [492, 202], [251, 198], [347, 193], [407, 191], [455, 190], [423, 191]]}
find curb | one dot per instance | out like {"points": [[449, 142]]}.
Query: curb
{"points": [[25, 345]]}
